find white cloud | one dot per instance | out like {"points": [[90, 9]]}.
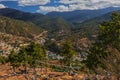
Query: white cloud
{"points": [[2, 6], [60, 8], [80, 5], [91, 4], [71, 4], [72, 1], [32, 2]]}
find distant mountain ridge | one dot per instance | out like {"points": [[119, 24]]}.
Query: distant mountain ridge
{"points": [[94, 22], [90, 27], [20, 15], [40, 20], [82, 15], [56, 26]]}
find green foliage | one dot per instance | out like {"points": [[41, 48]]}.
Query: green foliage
{"points": [[45, 22], [35, 52], [95, 52], [14, 59], [27, 56], [58, 69], [68, 52], [109, 34], [23, 58], [53, 24], [17, 27], [52, 46], [104, 50], [3, 59], [90, 26]]}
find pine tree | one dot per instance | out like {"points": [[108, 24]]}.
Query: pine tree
{"points": [[68, 54], [14, 60], [35, 53], [105, 52]]}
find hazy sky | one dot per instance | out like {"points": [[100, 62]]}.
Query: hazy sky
{"points": [[45, 6]]}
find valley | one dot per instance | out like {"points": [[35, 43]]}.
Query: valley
{"points": [[60, 45]]}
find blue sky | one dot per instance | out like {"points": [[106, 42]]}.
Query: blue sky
{"points": [[44, 6], [15, 5]]}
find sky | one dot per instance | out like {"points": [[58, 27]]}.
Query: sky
{"points": [[45, 6]]}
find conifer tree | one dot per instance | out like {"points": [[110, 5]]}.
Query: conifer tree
{"points": [[105, 51]]}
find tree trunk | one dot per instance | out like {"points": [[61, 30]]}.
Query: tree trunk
{"points": [[27, 76], [14, 69], [34, 74], [70, 69], [41, 69], [46, 66], [26, 73]]}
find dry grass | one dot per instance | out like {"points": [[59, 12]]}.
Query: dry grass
{"points": [[7, 70]]}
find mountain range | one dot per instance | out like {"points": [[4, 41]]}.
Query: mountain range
{"points": [[43, 21], [85, 21], [82, 15]]}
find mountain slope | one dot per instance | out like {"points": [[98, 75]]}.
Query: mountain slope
{"points": [[20, 15], [40, 20], [81, 15], [54, 24], [90, 27], [96, 21], [17, 27]]}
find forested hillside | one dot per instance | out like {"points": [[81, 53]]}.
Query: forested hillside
{"points": [[17, 27]]}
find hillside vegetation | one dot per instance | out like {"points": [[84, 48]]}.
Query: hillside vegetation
{"points": [[43, 21], [17, 27]]}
